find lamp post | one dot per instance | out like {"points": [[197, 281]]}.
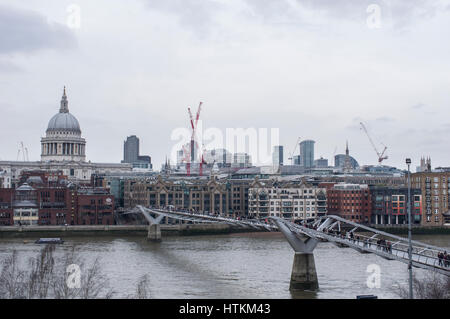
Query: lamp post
{"points": [[408, 162]]}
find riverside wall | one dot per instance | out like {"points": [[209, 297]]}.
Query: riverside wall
{"points": [[117, 230]]}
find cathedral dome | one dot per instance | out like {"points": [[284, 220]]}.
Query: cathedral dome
{"points": [[64, 121], [63, 140]]}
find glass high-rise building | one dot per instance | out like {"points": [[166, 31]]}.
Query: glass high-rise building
{"points": [[277, 155], [307, 153]]}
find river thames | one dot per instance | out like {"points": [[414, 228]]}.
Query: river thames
{"points": [[251, 265]]}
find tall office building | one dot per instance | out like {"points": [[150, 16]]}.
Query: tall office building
{"points": [[307, 153], [131, 154], [131, 149], [277, 155]]}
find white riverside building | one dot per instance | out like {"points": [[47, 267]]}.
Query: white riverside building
{"points": [[298, 202], [62, 149]]}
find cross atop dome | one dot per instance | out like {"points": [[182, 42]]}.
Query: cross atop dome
{"points": [[64, 103]]}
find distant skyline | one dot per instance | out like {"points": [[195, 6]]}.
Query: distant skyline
{"points": [[313, 69]]}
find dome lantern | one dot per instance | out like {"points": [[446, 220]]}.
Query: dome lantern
{"points": [[64, 121], [64, 103]]}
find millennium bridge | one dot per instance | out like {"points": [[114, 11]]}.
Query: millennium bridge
{"points": [[304, 237]]}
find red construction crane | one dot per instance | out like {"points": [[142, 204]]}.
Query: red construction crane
{"points": [[381, 155]]}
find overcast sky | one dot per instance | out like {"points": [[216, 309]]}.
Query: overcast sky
{"points": [[314, 69]]}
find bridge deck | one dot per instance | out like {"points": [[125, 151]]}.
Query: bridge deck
{"points": [[422, 257]]}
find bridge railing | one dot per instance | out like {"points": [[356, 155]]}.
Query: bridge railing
{"points": [[427, 256], [207, 217]]}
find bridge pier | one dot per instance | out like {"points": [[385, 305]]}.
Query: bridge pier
{"points": [[154, 233], [304, 276]]}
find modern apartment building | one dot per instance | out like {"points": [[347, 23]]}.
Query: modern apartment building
{"points": [[277, 155], [307, 153], [287, 200], [390, 205]]}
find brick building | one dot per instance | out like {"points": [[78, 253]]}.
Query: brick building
{"points": [[435, 188], [95, 207], [350, 201], [45, 199], [6, 210], [205, 195]]}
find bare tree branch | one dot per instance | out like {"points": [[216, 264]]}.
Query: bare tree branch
{"points": [[431, 286]]}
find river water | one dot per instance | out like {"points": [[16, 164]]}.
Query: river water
{"points": [[251, 265]]}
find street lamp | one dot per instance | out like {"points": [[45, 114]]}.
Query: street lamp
{"points": [[408, 162]]}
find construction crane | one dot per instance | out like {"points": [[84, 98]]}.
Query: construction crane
{"points": [[381, 155], [193, 142], [22, 149], [291, 155]]}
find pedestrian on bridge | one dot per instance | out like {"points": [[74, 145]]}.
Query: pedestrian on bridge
{"points": [[367, 243], [351, 236], [441, 258], [389, 247]]}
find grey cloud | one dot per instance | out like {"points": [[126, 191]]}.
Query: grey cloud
{"points": [[385, 119], [426, 136], [418, 106], [354, 8], [25, 31], [423, 109], [8, 67], [199, 13], [354, 125]]}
